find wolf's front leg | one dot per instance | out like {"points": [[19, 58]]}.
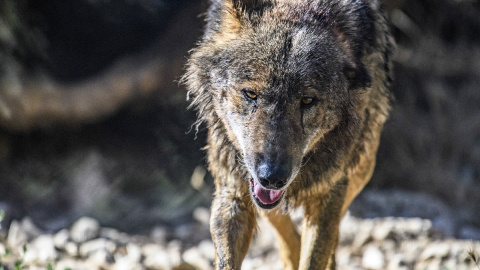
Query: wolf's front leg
{"points": [[287, 236], [320, 229], [232, 223]]}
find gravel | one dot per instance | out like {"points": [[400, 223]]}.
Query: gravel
{"points": [[365, 243], [380, 243]]}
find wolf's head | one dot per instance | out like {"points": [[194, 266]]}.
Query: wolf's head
{"points": [[279, 77]]}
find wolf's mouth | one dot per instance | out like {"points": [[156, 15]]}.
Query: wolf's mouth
{"points": [[265, 198]]}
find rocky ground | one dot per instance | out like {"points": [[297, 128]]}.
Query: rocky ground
{"points": [[365, 243]]}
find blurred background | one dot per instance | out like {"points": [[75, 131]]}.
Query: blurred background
{"points": [[94, 123]]}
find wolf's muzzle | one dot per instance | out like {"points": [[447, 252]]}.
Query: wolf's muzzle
{"points": [[274, 174]]}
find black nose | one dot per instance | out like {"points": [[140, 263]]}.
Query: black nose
{"points": [[274, 174]]}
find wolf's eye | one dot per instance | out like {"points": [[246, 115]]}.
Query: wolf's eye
{"points": [[307, 100], [249, 94]]}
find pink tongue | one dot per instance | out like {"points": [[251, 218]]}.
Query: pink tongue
{"points": [[266, 196]]}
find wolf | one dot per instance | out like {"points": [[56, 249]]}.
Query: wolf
{"points": [[294, 94]]}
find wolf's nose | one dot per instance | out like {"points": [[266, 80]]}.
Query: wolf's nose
{"points": [[273, 175]]}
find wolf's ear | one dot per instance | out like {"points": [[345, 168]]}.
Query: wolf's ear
{"points": [[357, 76], [236, 13]]}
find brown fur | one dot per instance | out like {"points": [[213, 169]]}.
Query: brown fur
{"points": [[295, 94]]}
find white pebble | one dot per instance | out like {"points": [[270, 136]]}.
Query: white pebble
{"points": [[42, 250], [61, 238], [84, 229], [373, 258], [195, 258], [16, 235]]}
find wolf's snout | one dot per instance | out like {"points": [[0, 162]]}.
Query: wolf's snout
{"points": [[274, 175]]}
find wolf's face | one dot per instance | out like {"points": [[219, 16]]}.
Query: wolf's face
{"points": [[279, 88]]}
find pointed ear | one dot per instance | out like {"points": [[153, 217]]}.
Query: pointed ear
{"points": [[235, 13], [231, 21], [357, 76]]}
